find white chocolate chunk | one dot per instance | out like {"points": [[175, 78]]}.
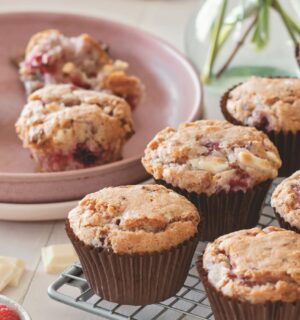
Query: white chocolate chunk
{"points": [[19, 267], [210, 163], [6, 272], [57, 257], [248, 159], [272, 156]]}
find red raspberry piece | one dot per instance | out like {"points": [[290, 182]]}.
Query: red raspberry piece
{"points": [[6, 313]]}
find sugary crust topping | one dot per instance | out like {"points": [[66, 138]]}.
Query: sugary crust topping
{"points": [[134, 219], [211, 156], [286, 199], [256, 265], [52, 57], [266, 103], [63, 120]]}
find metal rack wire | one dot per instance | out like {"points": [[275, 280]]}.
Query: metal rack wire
{"points": [[190, 303]]}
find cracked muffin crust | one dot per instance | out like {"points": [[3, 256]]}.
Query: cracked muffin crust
{"points": [[269, 104], [286, 200], [52, 58], [255, 265], [210, 156], [68, 128], [134, 219]]}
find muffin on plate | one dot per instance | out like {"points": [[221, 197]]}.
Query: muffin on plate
{"points": [[51, 58], [67, 128], [135, 243], [273, 106], [253, 274], [225, 170], [286, 202]]}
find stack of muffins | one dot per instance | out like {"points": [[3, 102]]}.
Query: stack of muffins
{"points": [[79, 109], [136, 243]]}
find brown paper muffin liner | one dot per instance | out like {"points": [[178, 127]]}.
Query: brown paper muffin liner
{"points": [[225, 308], [225, 212], [284, 224], [287, 142], [134, 279]]}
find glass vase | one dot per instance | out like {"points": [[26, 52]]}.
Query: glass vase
{"points": [[238, 58]]}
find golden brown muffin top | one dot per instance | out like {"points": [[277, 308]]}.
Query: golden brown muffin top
{"points": [[271, 104], [63, 116], [211, 156], [256, 265], [286, 199], [134, 219]]}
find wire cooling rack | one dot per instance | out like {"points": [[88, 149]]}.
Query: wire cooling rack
{"points": [[190, 303]]}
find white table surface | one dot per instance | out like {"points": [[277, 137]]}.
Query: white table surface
{"points": [[165, 18]]}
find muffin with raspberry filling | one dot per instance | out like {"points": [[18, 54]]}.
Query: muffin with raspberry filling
{"points": [[225, 170], [253, 274], [67, 128], [53, 58], [273, 106], [286, 202], [135, 243]]}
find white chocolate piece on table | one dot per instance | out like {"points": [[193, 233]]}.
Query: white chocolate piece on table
{"points": [[19, 268], [57, 257], [6, 273]]}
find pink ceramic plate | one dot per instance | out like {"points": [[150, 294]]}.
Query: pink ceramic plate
{"points": [[173, 95]]}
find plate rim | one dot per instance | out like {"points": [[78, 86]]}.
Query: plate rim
{"points": [[197, 110]]}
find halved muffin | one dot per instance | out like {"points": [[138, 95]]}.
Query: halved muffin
{"points": [[53, 58]]}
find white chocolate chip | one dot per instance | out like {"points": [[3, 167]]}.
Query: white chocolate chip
{"points": [[248, 159], [57, 257], [210, 163]]}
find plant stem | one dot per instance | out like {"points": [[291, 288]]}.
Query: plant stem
{"points": [[286, 19], [213, 50], [297, 52], [237, 47]]}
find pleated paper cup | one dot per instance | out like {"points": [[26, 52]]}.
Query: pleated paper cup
{"points": [[284, 224], [225, 212], [135, 279], [287, 142]]}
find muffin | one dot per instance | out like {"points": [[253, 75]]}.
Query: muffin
{"points": [[286, 202], [67, 128], [225, 170], [135, 243], [53, 58], [253, 274], [273, 106]]}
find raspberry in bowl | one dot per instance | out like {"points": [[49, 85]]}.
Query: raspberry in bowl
{"points": [[67, 128], [53, 58], [225, 170], [11, 310]]}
